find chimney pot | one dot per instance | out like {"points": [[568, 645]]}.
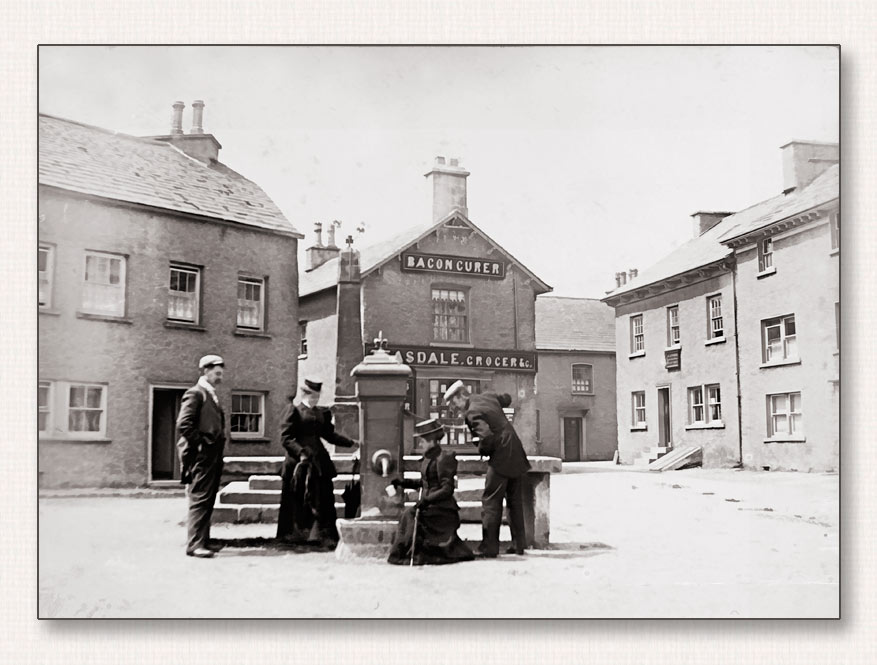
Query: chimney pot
{"points": [[617, 280], [318, 231], [197, 117], [331, 233], [455, 161], [633, 272], [177, 120], [439, 160]]}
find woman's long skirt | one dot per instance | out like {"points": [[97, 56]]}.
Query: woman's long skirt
{"points": [[437, 541]]}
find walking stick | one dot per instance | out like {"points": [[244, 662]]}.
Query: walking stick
{"points": [[414, 535]]}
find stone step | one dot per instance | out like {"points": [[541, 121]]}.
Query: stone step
{"points": [[241, 493]]}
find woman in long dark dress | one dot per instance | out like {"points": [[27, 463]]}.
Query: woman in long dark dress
{"points": [[307, 499], [437, 513]]}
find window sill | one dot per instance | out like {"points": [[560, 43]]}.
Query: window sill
{"points": [[248, 439], [454, 345], [302, 356], [591, 394], [50, 311], [780, 363], [637, 354], [251, 333], [675, 347], [834, 252], [641, 428], [72, 439], [717, 340], [103, 317], [714, 425], [180, 325], [765, 273], [786, 439]]}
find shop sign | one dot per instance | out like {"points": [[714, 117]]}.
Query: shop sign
{"points": [[437, 356], [453, 265]]}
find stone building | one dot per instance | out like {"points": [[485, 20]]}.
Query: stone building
{"points": [[453, 302], [575, 384], [153, 253], [720, 349]]}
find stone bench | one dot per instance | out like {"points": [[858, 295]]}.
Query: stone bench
{"points": [[253, 495]]}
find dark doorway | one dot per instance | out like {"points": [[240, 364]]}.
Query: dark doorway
{"points": [[665, 438], [572, 439], [165, 408]]}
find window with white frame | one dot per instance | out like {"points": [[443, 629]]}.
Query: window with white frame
{"points": [[784, 415], [70, 410], [303, 333], [46, 268], [450, 315], [716, 328], [673, 337], [765, 254], [582, 378], [184, 294], [251, 303], [44, 406], [834, 225], [247, 414], [705, 405], [639, 408], [780, 339], [104, 284], [637, 336]]}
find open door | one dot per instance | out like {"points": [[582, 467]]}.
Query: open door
{"points": [[165, 408], [664, 430]]}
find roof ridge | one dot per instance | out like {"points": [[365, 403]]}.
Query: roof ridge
{"points": [[103, 130]]}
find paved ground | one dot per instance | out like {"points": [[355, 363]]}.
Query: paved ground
{"points": [[694, 543]]}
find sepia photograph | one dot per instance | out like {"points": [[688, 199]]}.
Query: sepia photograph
{"points": [[437, 332]]}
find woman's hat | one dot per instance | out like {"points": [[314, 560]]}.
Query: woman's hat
{"points": [[454, 388], [429, 428], [311, 386]]}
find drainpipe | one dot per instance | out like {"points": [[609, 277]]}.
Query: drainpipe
{"points": [[737, 366]]}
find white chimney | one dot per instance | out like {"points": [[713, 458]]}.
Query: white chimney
{"points": [[448, 188], [804, 161]]}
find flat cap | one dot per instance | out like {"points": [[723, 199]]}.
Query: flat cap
{"points": [[210, 361]]}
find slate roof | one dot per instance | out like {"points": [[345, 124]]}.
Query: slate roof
{"points": [[574, 324], [377, 254], [708, 248], [91, 160]]}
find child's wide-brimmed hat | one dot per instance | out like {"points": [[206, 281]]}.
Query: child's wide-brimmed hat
{"points": [[429, 428]]}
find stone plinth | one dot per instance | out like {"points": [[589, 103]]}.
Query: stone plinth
{"points": [[365, 538]]}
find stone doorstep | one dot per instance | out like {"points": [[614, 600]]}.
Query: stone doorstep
{"points": [[243, 513]]}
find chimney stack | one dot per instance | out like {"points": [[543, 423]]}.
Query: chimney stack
{"points": [[177, 120], [331, 234], [318, 254], [804, 161], [704, 221], [197, 117], [196, 144], [448, 188]]}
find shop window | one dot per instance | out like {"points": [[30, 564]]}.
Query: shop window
{"points": [[457, 430], [780, 341], [184, 294], [785, 417], [716, 328], [450, 317], [247, 415], [251, 303], [582, 379], [104, 284]]}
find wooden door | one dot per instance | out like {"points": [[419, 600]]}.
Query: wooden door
{"points": [[572, 439]]}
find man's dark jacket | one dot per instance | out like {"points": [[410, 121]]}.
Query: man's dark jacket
{"points": [[498, 439]]}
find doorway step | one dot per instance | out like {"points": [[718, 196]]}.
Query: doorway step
{"points": [[681, 458]]}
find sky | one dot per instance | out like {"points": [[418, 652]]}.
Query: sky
{"points": [[584, 161]]}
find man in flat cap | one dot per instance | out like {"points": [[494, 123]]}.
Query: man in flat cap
{"points": [[507, 464], [201, 426]]}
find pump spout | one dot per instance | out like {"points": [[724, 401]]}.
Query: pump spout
{"points": [[382, 463]]}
